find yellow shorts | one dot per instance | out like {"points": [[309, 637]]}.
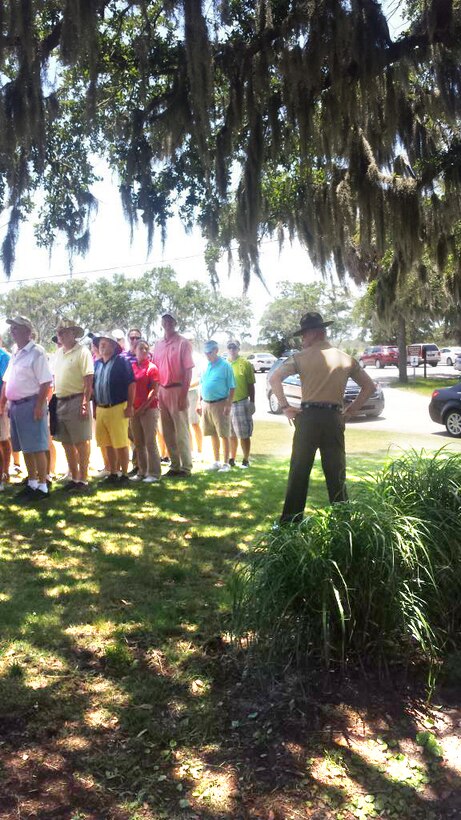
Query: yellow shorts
{"points": [[112, 426]]}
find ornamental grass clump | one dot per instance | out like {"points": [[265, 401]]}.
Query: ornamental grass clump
{"points": [[372, 580]]}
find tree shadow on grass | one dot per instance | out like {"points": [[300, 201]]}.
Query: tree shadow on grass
{"points": [[118, 674]]}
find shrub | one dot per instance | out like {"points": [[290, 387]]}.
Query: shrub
{"points": [[375, 579]]}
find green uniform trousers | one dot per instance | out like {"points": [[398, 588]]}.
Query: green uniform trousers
{"points": [[317, 428]]}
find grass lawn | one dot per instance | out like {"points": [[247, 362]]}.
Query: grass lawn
{"points": [[426, 386], [120, 697]]}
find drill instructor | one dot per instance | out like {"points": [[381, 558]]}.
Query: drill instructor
{"points": [[319, 422]]}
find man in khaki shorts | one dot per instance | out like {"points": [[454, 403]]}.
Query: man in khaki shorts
{"points": [[217, 386], [73, 381]]}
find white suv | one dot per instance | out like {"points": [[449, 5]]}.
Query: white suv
{"points": [[262, 362]]}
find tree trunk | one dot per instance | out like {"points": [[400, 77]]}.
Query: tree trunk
{"points": [[402, 343]]}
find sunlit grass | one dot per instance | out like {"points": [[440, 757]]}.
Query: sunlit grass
{"points": [[114, 611]]}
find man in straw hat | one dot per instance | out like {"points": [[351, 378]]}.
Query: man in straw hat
{"points": [[26, 383], [73, 383], [319, 422]]}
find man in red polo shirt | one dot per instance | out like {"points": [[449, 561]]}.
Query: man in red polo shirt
{"points": [[173, 357]]}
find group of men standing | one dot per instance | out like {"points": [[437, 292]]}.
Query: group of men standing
{"points": [[123, 388], [137, 384]]}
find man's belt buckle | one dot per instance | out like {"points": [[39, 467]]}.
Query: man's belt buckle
{"points": [[324, 405]]}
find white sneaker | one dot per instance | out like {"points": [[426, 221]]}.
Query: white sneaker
{"points": [[102, 473], [215, 466], [225, 468], [137, 477], [150, 479]]}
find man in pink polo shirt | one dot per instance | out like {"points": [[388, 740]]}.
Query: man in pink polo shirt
{"points": [[173, 357]]}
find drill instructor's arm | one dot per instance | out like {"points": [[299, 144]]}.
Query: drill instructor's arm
{"points": [[288, 368], [367, 388]]}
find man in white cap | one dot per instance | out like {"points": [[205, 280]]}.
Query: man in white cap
{"points": [[119, 336], [114, 391], [73, 384], [173, 357], [26, 383]]}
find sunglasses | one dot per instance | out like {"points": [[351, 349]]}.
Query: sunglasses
{"points": [[134, 338]]}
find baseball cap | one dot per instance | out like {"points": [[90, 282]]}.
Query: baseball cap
{"points": [[170, 314], [20, 320], [233, 343], [210, 345]]}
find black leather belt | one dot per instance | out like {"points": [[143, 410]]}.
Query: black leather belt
{"points": [[23, 401], [324, 405], [213, 401], [110, 405]]}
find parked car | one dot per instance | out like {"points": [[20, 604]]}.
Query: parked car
{"points": [[428, 350], [379, 356], [445, 408], [448, 355], [262, 362], [457, 364], [292, 389]]}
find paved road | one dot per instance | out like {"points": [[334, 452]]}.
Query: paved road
{"points": [[404, 411]]}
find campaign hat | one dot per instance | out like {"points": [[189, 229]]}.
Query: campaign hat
{"points": [[311, 321]]}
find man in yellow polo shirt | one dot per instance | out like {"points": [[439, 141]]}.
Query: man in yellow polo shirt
{"points": [[243, 404], [73, 384], [319, 422]]}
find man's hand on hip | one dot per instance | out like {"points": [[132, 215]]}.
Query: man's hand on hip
{"points": [[291, 412]]}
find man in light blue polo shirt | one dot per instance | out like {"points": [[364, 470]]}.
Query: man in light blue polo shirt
{"points": [[217, 386]]}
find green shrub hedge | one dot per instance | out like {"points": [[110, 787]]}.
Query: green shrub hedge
{"points": [[373, 580]]}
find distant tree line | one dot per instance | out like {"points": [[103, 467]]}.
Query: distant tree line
{"points": [[122, 302]]}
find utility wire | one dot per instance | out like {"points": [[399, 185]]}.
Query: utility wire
{"points": [[71, 274]]}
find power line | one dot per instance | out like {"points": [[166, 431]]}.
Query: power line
{"points": [[71, 274]]}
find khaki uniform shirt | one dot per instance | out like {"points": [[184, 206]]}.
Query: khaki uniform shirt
{"points": [[324, 371]]}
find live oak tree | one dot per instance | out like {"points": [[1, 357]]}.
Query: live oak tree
{"points": [[292, 117]]}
